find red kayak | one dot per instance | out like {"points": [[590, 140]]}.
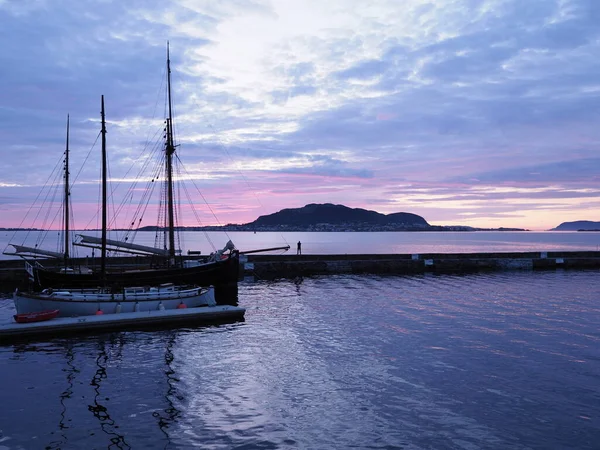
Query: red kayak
{"points": [[36, 316]]}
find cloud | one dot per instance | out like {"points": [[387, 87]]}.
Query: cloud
{"points": [[364, 70], [581, 171], [345, 101]]}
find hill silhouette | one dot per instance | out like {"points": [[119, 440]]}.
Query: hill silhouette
{"points": [[339, 215], [584, 225]]}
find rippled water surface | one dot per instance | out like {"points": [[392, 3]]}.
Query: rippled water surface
{"points": [[494, 361], [339, 243]]}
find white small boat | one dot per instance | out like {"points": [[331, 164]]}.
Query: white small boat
{"points": [[87, 302]]}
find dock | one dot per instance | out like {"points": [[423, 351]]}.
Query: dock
{"points": [[203, 315], [268, 267]]}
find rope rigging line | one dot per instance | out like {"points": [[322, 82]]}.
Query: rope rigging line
{"points": [[176, 206], [85, 160], [53, 181], [128, 200], [114, 187], [178, 209], [145, 193], [159, 237], [140, 157], [42, 237], [203, 198], [206, 235], [142, 205], [50, 198], [155, 146], [250, 189], [96, 215], [31, 206], [74, 249]]}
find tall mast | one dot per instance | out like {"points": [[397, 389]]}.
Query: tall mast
{"points": [[103, 249], [169, 150], [66, 204]]}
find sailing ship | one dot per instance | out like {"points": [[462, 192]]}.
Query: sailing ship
{"points": [[220, 269], [75, 301]]}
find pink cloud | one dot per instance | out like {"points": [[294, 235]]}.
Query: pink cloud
{"points": [[386, 116]]}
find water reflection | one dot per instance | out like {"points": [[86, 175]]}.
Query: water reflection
{"points": [[298, 283], [98, 409], [171, 412], [71, 372], [125, 384]]}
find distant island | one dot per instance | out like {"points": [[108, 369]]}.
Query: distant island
{"points": [[578, 225], [330, 217]]}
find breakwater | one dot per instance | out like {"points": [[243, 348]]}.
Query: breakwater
{"points": [[13, 274], [290, 266]]}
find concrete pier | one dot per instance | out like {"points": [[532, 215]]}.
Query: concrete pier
{"points": [[290, 266], [132, 320], [13, 274]]}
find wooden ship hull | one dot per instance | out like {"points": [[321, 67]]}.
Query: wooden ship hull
{"points": [[222, 274]]}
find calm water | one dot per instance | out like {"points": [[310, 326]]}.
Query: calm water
{"points": [[490, 361], [342, 243]]}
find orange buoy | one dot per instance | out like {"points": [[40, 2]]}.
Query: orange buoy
{"points": [[181, 306], [99, 312]]}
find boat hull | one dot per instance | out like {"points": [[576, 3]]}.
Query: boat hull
{"points": [[224, 272], [80, 304]]}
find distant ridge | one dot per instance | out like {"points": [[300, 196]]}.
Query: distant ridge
{"points": [[578, 225], [330, 217], [314, 214]]}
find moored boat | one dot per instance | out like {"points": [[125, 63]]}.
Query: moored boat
{"points": [[220, 269], [87, 302], [36, 316]]}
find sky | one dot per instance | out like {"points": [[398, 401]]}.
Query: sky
{"points": [[483, 113]]}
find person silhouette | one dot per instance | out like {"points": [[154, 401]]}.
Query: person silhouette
{"points": [[299, 248]]}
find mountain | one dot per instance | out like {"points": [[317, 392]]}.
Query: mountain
{"points": [[340, 216], [584, 225], [330, 217]]}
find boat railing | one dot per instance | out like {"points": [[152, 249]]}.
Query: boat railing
{"points": [[127, 296]]}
